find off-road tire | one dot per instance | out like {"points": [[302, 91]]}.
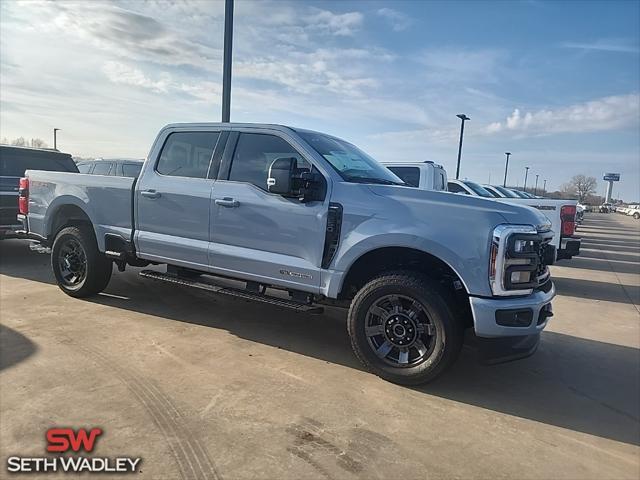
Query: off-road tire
{"points": [[97, 267], [437, 305]]}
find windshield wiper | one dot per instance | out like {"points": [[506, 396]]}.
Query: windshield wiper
{"points": [[380, 181]]}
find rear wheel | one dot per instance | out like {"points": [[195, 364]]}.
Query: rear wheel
{"points": [[81, 270], [636, 216], [402, 328]]}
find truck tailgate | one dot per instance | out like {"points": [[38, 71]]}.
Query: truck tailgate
{"points": [[106, 200]]}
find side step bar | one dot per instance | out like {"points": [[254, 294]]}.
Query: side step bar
{"points": [[234, 292]]}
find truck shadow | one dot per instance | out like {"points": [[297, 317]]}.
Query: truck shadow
{"points": [[594, 290], [14, 347], [574, 383]]}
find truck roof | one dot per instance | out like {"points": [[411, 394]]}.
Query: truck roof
{"points": [[274, 126]]}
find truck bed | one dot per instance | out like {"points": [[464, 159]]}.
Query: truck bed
{"points": [[106, 200]]}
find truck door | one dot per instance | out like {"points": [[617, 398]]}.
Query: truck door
{"points": [[172, 200], [258, 235]]}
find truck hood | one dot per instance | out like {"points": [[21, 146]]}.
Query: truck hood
{"points": [[503, 212]]}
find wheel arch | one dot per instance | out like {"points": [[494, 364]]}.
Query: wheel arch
{"points": [[63, 214], [381, 259]]}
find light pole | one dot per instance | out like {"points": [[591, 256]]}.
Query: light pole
{"points": [[526, 174], [506, 167], [535, 190], [226, 67], [463, 118], [55, 138], [544, 186]]}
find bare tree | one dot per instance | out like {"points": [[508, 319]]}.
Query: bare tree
{"points": [[38, 143], [22, 142], [580, 186]]}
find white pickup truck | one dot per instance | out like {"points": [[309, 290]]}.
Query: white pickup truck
{"points": [[561, 213]]}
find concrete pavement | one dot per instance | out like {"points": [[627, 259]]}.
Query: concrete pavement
{"points": [[211, 387]]}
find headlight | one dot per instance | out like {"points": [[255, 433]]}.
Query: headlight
{"points": [[514, 259]]}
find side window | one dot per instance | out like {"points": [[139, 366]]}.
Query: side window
{"points": [[102, 168], [455, 188], [187, 154], [442, 182], [409, 175], [254, 154], [85, 167], [131, 169]]}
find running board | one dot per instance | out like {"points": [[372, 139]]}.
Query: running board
{"points": [[234, 292]]}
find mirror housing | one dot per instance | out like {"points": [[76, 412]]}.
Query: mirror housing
{"points": [[281, 178]]}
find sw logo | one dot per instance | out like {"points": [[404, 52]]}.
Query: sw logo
{"points": [[67, 440], [63, 439]]}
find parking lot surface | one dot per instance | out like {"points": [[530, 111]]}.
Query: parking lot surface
{"points": [[202, 386]]}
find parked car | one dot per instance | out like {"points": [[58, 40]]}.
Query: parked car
{"points": [[500, 192], [605, 208], [112, 166], [467, 187], [633, 211], [14, 161], [561, 213], [420, 173], [311, 215]]}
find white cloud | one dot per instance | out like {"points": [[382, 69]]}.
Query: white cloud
{"points": [[118, 72], [344, 24], [399, 21], [608, 113], [604, 45], [463, 66]]}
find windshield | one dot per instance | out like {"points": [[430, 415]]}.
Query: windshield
{"points": [[349, 161], [506, 192], [478, 189]]}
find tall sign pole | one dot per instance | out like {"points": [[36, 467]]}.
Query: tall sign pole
{"points": [[463, 119], [506, 167], [226, 73]]}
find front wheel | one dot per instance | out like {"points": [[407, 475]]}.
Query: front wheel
{"points": [[81, 270], [402, 328], [636, 216]]}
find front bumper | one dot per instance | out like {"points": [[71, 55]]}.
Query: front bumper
{"points": [[500, 343], [485, 312]]}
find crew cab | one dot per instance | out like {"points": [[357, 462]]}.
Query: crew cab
{"points": [[424, 173], [561, 213], [305, 219], [14, 161]]}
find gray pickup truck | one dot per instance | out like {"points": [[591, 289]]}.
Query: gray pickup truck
{"points": [[305, 219]]}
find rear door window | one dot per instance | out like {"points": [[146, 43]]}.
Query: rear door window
{"points": [[409, 175], [131, 169], [187, 154], [85, 167], [102, 168]]}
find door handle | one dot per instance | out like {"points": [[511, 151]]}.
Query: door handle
{"points": [[227, 202], [150, 193]]}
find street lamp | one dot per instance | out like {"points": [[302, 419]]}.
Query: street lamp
{"points": [[463, 118], [544, 186], [506, 166], [226, 62], [535, 190], [526, 174], [55, 138]]}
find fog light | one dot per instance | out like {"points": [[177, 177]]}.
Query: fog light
{"points": [[520, 277], [514, 318]]}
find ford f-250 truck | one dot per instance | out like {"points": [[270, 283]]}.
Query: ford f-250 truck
{"points": [[295, 211]]}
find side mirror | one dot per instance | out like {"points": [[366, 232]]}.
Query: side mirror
{"points": [[281, 176]]}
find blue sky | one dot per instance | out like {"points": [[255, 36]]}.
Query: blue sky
{"points": [[555, 83]]}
